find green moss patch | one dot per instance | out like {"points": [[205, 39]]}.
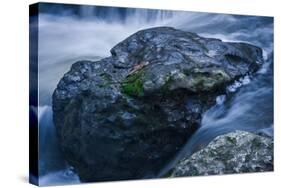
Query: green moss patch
{"points": [[133, 84], [205, 81]]}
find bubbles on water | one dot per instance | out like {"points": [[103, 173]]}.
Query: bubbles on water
{"points": [[238, 83], [220, 99]]}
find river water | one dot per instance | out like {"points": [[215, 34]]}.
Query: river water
{"points": [[67, 34]]}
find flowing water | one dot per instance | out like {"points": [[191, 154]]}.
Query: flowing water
{"points": [[67, 34]]}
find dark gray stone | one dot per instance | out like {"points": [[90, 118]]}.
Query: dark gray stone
{"points": [[125, 116]]}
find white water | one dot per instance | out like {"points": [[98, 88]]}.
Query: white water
{"points": [[53, 169], [65, 39]]}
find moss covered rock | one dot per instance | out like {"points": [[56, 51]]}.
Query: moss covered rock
{"points": [[118, 116]]}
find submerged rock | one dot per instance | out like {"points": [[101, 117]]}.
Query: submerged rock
{"points": [[125, 116], [235, 152]]}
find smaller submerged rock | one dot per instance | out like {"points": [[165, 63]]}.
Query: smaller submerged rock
{"points": [[235, 152]]}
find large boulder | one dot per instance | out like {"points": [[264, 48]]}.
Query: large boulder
{"points": [[125, 116], [236, 152]]}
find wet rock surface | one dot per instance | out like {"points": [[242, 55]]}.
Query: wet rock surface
{"points": [[236, 152], [125, 116]]}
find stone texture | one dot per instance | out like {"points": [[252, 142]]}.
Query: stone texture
{"points": [[125, 116], [236, 152]]}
